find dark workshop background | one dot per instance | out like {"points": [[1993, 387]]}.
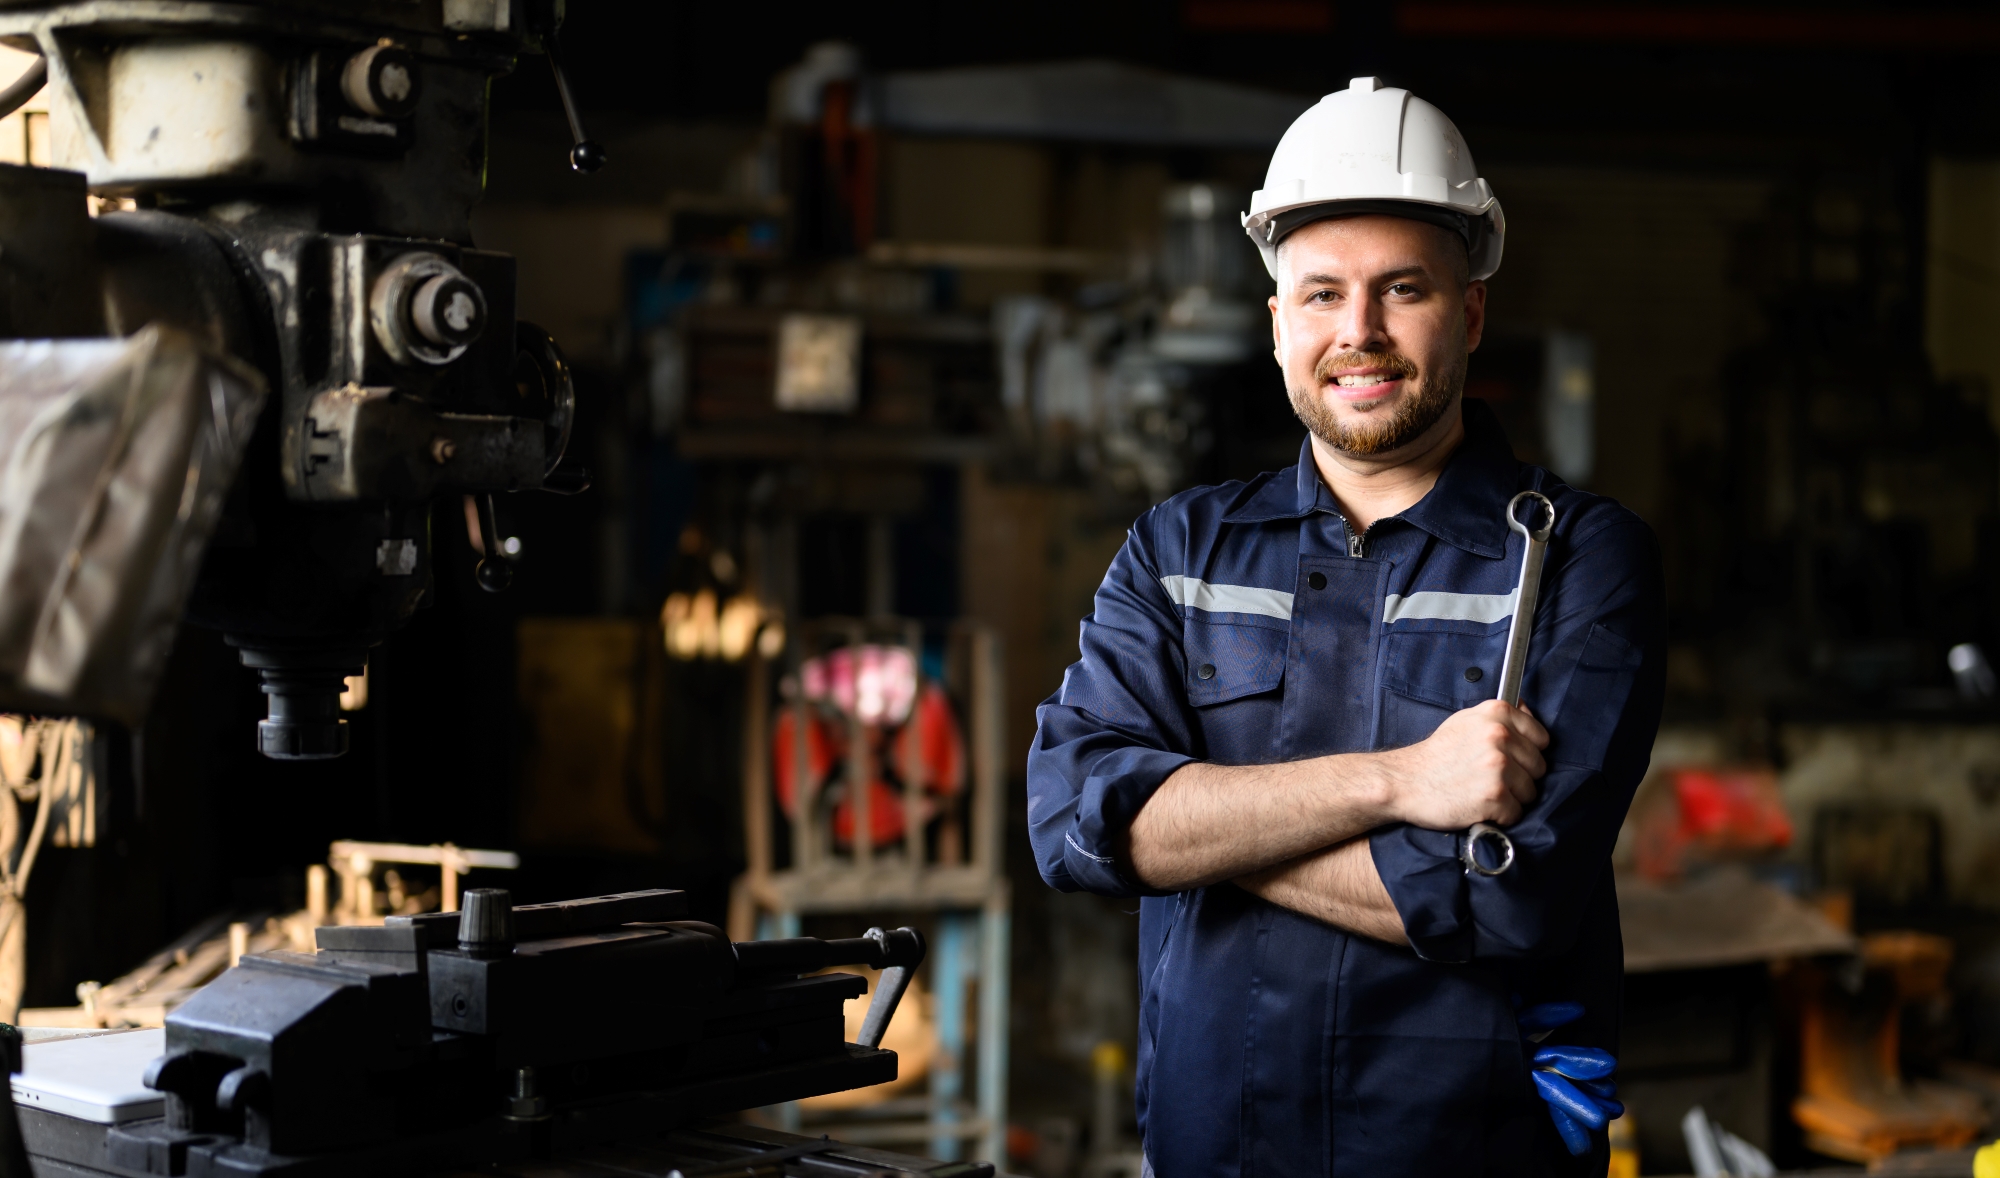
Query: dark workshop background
{"points": [[1773, 230]]}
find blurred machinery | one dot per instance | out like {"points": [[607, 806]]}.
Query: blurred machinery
{"points": [[1836, 537], [1120, 384], [238, 389], [1854, 1100]]}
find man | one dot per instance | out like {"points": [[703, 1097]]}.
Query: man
{"points": [[1284, 718]]}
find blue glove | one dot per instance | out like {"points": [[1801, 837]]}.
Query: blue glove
{"points": [[1575, 1081]]}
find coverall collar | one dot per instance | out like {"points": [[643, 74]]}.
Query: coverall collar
{"points": [[1465, 509]]}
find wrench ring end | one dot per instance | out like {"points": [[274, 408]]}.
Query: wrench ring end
{"points": [[1468, 849], [1514, 523]]}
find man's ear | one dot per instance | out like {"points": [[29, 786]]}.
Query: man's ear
{"points": [[1277, 328], [1475, 313]]}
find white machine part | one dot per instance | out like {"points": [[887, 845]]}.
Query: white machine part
{"points": [[94, 1076], [1368, 145]]}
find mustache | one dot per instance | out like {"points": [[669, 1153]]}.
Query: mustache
{"points": [[1332, 366]]}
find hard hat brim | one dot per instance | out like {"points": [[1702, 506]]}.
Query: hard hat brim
{"points": [[1484, 229]]}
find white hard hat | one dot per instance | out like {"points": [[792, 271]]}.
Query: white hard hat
{"points": [[1376, 149]]}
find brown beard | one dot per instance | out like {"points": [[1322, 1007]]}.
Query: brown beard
{"points": [[1415, 412]]}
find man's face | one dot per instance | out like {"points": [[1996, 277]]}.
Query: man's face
{"points": [[1372, 324]]}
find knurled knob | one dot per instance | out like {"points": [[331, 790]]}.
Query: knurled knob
{"points": [[486, 923]]}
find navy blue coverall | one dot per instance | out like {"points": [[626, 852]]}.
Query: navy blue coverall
{"points": [[1244, 624]]}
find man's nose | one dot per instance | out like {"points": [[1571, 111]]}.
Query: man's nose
{"points": [[1361, 326]]}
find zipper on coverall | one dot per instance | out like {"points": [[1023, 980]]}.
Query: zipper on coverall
{"points": [[1357, 544]]}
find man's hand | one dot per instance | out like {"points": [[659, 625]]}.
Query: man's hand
{"points": [[1481, 765]]}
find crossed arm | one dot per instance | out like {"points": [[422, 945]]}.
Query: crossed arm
{"points": [[1295, 833]]}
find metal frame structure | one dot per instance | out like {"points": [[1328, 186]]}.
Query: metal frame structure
{"points": [[965, 886]]}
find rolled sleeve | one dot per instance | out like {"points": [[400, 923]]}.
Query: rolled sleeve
{"points": [[1113, 733], [1599, 690]]}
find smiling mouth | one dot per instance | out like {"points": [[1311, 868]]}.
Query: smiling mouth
{"points": [[1365, 380]]}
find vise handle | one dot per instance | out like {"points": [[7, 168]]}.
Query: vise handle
{"points": [[896, 952]]}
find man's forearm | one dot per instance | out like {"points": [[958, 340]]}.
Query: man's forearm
{"points": [[1208, 823], [1338, 885]]}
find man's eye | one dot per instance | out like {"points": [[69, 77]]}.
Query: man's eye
{"points": [[1402, 288], [1321, 296]]}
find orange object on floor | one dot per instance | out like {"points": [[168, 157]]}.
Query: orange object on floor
{"points": [[1854, 1102]]}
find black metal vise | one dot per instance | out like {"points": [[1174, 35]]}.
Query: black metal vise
{"points": [[500, 1032]]}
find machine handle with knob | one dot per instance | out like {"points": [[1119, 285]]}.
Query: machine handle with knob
{"points": [[586, 156], [495, 570]]}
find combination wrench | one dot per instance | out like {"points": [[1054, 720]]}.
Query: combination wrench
{"points": [[1513, 667]]}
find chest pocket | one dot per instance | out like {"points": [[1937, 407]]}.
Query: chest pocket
{"points": [[1428, 675], [1232, 660]]}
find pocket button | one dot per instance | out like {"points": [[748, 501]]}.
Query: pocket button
{"points": [[1317, 580], [1207, 671], [1474, 674]]}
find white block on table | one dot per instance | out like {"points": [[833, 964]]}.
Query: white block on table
{"points": [[93, 1077]]}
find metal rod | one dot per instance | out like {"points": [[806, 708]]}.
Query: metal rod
{"points": [[889, 990], [584, 156], [568, 101]]}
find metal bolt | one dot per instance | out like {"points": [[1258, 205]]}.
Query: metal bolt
{"points": [[442, 450], [525, 1102]]}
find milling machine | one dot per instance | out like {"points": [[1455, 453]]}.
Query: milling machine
{"points": [[248, 341]]}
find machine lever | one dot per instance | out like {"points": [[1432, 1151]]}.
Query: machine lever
{"points": [[495, 570], [889, 988], [876, 949], [896, 952], [586, 156], [881, 1008]]}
